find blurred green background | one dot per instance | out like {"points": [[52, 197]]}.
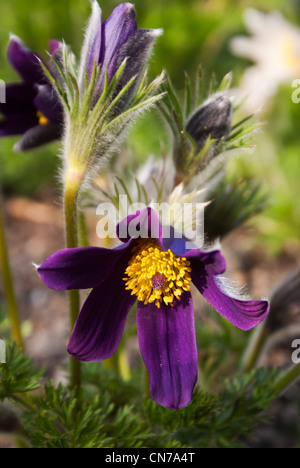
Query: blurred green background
{"points": [[195, 31]]}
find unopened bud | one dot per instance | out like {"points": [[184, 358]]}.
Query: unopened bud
{"points": [[212, 119], [202, 135]]}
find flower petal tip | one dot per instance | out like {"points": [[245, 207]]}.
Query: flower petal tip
{"points": [[128, 5], [95, 4], [157, 32], [14, 38], [260, 310], [17, 148], [171, 406], [96, 11]]}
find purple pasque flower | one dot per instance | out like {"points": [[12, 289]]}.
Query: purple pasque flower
{"points": [[157, 271], [109, 43], [32, 108]]}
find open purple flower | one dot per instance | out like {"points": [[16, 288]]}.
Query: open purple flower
{"points": [[32, 108], [157, 271]]}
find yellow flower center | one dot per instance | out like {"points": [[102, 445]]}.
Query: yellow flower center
{"points": [[289, 50], [155, 276], [42, 119]]}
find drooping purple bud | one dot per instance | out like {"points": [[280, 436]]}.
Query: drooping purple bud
{"points": [[32, 108]]}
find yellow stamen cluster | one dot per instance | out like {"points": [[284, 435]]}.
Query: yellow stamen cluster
{"points": [[42, 119], [155, 276]]}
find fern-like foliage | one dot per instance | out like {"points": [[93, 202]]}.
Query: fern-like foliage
{"points": [[111, 413]]}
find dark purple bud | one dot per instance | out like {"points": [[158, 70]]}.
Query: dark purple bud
{"points": [[207, 126], [137, 50], [212, 119]]}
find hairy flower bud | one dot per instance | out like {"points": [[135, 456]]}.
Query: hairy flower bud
{"points": [[201, 136], [108, 90], [212, 119]]}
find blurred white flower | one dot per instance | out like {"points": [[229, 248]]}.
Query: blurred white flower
{"points": [[275, 48], [185, 212]]}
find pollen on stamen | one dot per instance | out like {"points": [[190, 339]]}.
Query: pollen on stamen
{"points": [[155, 276], [42, 119]]}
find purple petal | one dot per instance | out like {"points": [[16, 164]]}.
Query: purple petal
{"points": [[102, 319], [54, 46], [183, 247], [48, 103], [142, 224], [39, 136], [24, 61], [168, 347], [92, 44], [17, 124], [19, 99], [171, 241], [145, 223], [81, 268], [137, 49], [244, 314], [116, 30], [213, 260]]}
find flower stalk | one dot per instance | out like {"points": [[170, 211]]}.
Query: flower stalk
{"points": [[279, 324], [287, 378], [71, 226], [8, 285], [254, 348]]}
